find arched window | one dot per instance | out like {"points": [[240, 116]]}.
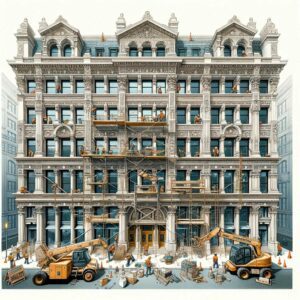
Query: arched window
{"points": [[241, 50], [147, 51], [133, 51], [67, 51], [161, 51], [227, 51], [53, 50]]}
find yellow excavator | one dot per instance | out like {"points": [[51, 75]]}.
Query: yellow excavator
{"points": [[245, 258], [64, 262]]}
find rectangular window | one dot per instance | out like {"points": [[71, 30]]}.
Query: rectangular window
{"points": [[50, 87], [244, 86], [98, 177], [195, 52], [263, 115], [181, 147], [181, 52], [181, 86], [66, 87], [50, 148], [29, 212], [214, 181], [195, 175], [30, 181], [113, 52], [263, 212], [264, 181], [79, 180], [132, 114], [229, 181], [30, 147], [160, 86], [160, 146], [112, 181], [147, 146], [31, 116], [99, 86], [99, 51], [215, 87], [65, 148], [180, 175], [195, 115], [113, 86], [147, 114], [161, 180], [50, 114], [79, 86], [228, 86], [99, 145], [215, 116], [263, 147], [195, 86], [79, 146], [113, 146], [79, 115], [146, 180], [244, 147], [66, 181], [195, 147], [99, 114], [113, 113], [263, 86], [245, 181], [229, 113], [181, 116], [133, 86], [133, 52], [244, 115], [147, 86], [49, 181], [132, 181], [229, 147], [65, 115], [214, 144], [31, 86]]}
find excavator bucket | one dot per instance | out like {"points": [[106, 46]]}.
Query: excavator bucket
{"points": [[41, 255]]}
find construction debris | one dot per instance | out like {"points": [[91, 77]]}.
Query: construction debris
{"points": [[263, 280], [104, 281], [189, 269], [164, 276], [15, 275]]}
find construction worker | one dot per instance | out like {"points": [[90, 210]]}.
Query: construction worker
{"points": [[215, 261], [130, 258], [197, 119], [11, 260], [216, 151], [162, 115], [234, 89], [148, 266], [26, 257], [110, 251], [18, 253], [279, 250], [159, 91]]}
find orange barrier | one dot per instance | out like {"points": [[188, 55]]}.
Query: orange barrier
{"points": [[284, 264], [289, 255]]}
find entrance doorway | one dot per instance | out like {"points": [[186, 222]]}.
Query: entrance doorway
{"points": [[161, 236], [147, 235]]}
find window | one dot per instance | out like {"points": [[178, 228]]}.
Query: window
{"points": [[49, 181], [30, 147], [214, 181], [79, 84], [227, 51], [180, 175], [215, 116], [244, 86], [65, 115], [11, 124], [229, 113], [195, 111], [79, 146], [133, 51], [195, 147], [132, 114], [99, 114], [53, 50], [66, 87], [50, 114], [147, 114], [99, 145], [263, 212], [195, 175], [147, 87], [112, 181], [263, 86], [113, 87], [133, 87], [215, 86], [161, 51], [244, 115], [50, 87], [245, 181], [181, 116], [79, 115], [213, 144], [161, 180], [181, 87], [263, 115], [195, 52], [181, 147], [264, 181], [67, 51], [241, 51], [11, 168], [79, 180], [31, 117], [263, 147], [229, 147], [65, 150], [244, 147], [181, 52], [31, 86], [30, 181], [146, 143], [99, 86], [11, 204], [147, 51], [66, 181], [229, 181], [195, 86], [228, 86], [160, 86], [160, 146], [99, 51], [132, 180], [113, 146], [98, 177], [113, 113], [113, 52], [50, 148]]}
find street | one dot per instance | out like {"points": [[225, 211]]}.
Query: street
{"points": [[282, 280]]}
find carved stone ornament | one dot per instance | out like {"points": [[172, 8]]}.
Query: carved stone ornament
{"points": [[273, 85], [255, 83], [63, 132], [122, 82], [206, 80], [172, 82]]}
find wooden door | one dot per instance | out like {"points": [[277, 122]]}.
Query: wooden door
{"points": [[132, 236], [147, 238], [161, 237]]}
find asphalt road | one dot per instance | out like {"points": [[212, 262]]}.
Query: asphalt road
{"points": [[282, 280]]}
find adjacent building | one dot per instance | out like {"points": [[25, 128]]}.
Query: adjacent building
{"points": [[147, 135], [9, 165], [285, 166]]}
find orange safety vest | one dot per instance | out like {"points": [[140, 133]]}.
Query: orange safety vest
{"points": [[148, 263], [215, 259]]}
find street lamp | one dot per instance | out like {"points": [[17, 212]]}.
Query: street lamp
{"points": [[6, 228]]}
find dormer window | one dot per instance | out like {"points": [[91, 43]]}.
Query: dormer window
{"points": [[113, 52], [147, 51], [241, 51], [67, 51], [53, 50], [161, 51], [133, 51], [227, 51], [99, 51]]}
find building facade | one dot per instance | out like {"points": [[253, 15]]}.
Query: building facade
{"points": [[285, 166], [146, 134], [9, 165]]}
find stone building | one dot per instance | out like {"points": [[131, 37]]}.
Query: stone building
{"points": [[108, 126]]}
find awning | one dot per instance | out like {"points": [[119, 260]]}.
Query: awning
{"points": [[50, 227], [65, 227]]}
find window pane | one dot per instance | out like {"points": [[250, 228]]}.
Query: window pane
{"points": [[132, 114], [65, 115], [79, 180], [67, 51], [99, 114], [113, 113], [229, 113], [229, 147], [30, 181], [31, 117], [195, 52], [181, 147], [50, 148], [50, 114], [147, 87], [113, 87], [195, 147], [263, 147], [241, 51], [79, 146], [244, 147], [65, 148], [98, 177], [227, 51], [66, 181], [133, 86], [181, 116], [50, 87], [215, 116], [99, 87], [54, 50], [113, 146], [195, 86], [112, 181], [50, 180], [79, 86], [181, 175], [160, 51], [30, 147], [214, 86], [160, 146], [264, 181], [228, 86], [147, 51], [244, 86], [195, 115], [181, 86], [244, 115], [113, 52], [181, 52], [161, 86], [263, 115], [263, 86], [79, 115], [214, 147], [214, 181], [133, 52], [132, 181], [229, 181], [65, 87], [245, 181], [31, 86]]}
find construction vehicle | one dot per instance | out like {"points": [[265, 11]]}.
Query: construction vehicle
{"points": [[245, 258], [64, 262]]}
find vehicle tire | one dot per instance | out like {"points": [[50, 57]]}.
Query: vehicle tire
{"points": [[88, 275], [266, 273], [40, 278], [243, 273]]}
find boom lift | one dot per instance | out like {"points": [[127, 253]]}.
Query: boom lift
{"points": [[244, 259], [63, 262]]}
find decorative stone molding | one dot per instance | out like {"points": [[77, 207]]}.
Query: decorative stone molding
{"points": [[206, 81], [172, 82]]}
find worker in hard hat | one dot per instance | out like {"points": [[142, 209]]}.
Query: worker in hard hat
{"points": [[11, 260], [215, 261], [148, 266]]}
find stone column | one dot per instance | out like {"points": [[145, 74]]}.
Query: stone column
{"points": [[273, 229], [72, 180], [237, 83], [222, 154], [188, 175], [188, 85], [237, 146], [222, 183], [72, 84], [57, 115], [155, 238], [154, 52], [122, 228], [237, 221], [139, 83], [222, 112], [254, 222], [121, 181], [222, 224], [188, 147], [72, 115], [222, 85], [206, 212], [21, 225], [188, 114], [272, 181], [88, 227], [138, 238], [206, 116], [38, 181], [20, 111], [56, 152], [234, 51], [273, 117], [21, 179], [72, 224], [72, 150], [39, 225], [122, 83], [57, 226], [254, 177], [170, 229], [38, 126], [105, 83], [154, 88], [237, 115], [140, 51]]}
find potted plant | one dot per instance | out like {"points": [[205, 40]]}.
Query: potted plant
{"points": [[33, 121], [66, 121]]}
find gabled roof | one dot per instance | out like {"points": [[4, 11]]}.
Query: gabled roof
{"points": [[147, 19]]}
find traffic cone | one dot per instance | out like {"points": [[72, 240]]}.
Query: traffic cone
{"points": [[284, 264], [279, 261], [289, 255]]}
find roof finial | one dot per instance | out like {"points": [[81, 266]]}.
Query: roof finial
{"points": [[121, 22], [147, 15], [190, 38], [173, 22], [43, 24], [102, 37], [251, 24]]}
